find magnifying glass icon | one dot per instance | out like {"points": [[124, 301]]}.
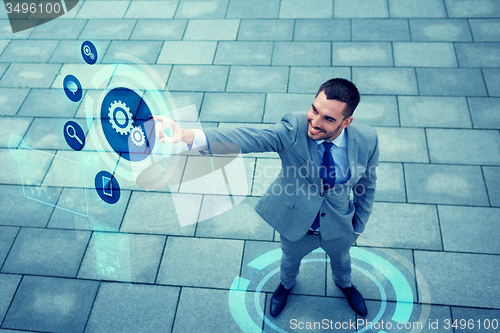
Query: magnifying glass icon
{"points": [[73, 136]]}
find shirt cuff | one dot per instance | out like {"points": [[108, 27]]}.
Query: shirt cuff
{"points": [[199, 141]]}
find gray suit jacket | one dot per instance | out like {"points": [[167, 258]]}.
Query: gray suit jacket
{"points": [[292, 202]]}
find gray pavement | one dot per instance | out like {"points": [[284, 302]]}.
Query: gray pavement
{"points": [[428, 72]]}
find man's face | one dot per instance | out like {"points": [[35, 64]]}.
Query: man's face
{"points": [[326, 118]]}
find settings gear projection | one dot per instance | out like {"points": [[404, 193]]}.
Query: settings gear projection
{"points": [[120, 117], [137, 136]]}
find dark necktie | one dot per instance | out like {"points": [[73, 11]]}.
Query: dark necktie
{"points": [[328, 167], [327, 172]]}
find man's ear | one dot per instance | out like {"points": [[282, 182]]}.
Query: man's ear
{"points": [[346, 122]]}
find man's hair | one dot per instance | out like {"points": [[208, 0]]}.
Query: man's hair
{"points": [[341, 90]]}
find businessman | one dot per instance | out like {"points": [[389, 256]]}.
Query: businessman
{"points": [[325, 158]]}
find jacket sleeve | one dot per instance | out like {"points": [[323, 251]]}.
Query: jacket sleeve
{"points": [[364, 192], [277, 137]]}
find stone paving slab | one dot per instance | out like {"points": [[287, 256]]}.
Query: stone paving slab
{"points": [[58, 29], [491, 78], [385, 80], [390, 183], [443, 271], [198, 78], [424, 54], [301, 9], [477, 55], [256, 9], [76, 205], [107, 29], [51, 304], [380, 30], [456, 229], [377, 111], [11, 99], [7, 236], [476, 147], [204, 310], [159, 29], [214, 9], [420, 111], [187, 52], [147, 51], [308, 79], [213, 263], [485, 30], [151, 9], [228, 221], [28, 51], [34, 212], [417, 8], [277, 105], [211, 29], [164, 219], [29, 75], [266, 30], [258, 79], [483, 112], [400, 225], [362, 54], [244, 53], [301, 54], [445, 184], [48, 103], [360, 9], [133, 308], [232, 107], [451, 82], [402, 144], [16, 126], [102, 9], [9, 287], [472, 9], [322, 29], [29, 166], [47, 252], [492, 179], [122, 257], [440, 30]]}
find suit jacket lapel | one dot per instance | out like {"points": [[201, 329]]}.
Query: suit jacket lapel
{"points": [[352, 151]]}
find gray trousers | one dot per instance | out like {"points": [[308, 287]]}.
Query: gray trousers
{"points": [[337, 250]]}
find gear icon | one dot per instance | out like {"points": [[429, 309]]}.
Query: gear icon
{"points": [[137, 136], [120, 117]]}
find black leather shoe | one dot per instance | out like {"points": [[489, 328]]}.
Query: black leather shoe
{"points": [[355, 299], [278, 301]]}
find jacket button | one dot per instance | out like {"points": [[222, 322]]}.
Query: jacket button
{"points": [[322, 194], [323, 214]]}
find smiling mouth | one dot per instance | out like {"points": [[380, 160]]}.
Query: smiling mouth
{"points": [[313, 131]]}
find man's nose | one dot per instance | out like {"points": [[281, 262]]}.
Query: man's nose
{"points": [[315, 122]]}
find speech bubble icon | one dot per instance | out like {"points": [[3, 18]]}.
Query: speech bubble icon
{"points": [[72, 88]]}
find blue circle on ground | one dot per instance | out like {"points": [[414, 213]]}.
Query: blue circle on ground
{"points": [[107, 187], [74, 135], [72, 88], [89, 52], [127, 124]]}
